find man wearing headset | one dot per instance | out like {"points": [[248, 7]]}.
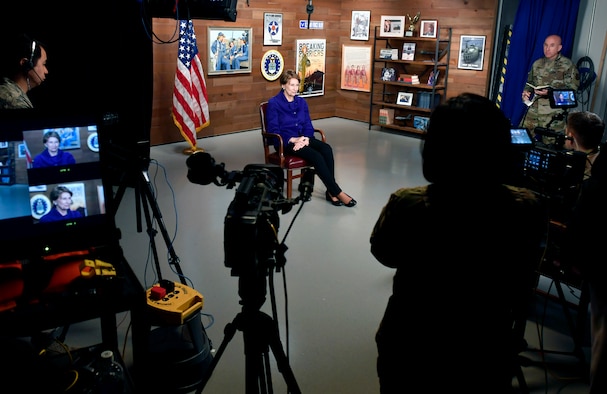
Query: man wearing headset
{"points": [[23, 68]]}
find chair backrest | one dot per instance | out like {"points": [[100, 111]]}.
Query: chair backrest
{"points": [[262, 114], [268, 146]]}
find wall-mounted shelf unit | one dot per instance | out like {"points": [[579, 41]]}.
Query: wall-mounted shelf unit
{"points": [[7, 163], [406, 91]]}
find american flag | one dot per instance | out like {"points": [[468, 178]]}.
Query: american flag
{"points": [[28, 156], [190, 100]]}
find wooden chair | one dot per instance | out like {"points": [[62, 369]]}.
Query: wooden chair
{"points": [[293, 165]]}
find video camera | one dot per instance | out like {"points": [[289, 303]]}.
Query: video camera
{"points": [[563, 99], [252, 221], [552, 172]]}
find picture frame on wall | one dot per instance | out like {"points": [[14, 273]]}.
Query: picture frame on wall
{"points": [[404, 98], [272, 33], [471, 52], [222, 40], [311, 66], [392, 26], [360, 25], [428, 29], [355, 68], [70, 138]]}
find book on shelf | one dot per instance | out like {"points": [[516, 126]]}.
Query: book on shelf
{"points": [[433, 77], [408, 51], [388, 53], [421, 122], [413, 79], [424, 100], [386, 116]]}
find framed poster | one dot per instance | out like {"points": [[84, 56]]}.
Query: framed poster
{"points": [[471, 52], [229, 50], [360, 25], [392, 26], [310, 66], [272, 33], [404, 98], [355, 66], [428, 29]]}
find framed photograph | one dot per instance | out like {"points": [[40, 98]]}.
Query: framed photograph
{"points": [[272, 33], [70, 137], [355, 66], [421, 122], [229, 50], [360, 25], [388, 74], [428, 29], [404, 98], [471, 52], [388, 53], [392, 26], [408, 51]]}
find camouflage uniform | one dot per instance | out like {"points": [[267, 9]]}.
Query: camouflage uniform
{"points": [[12, 97], [558, 73]]}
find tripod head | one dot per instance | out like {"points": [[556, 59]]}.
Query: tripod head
{"points": [[251, 223]]}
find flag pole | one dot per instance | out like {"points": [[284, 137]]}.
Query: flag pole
{"points": [[190, 100]]}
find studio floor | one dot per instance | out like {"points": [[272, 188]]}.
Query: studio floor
{"points": [[331, 293]]}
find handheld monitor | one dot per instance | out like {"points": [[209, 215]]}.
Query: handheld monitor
{"points": [[521, 138], [563, 98]]}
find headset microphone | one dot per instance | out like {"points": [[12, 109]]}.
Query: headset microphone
{"points": [[40, 80], [29, 66], [30, 62]]}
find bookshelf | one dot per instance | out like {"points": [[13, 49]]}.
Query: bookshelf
{"points": [[409, 88]]}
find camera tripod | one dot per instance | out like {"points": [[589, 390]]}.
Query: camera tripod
{"points": [[145, 201], [260, 334]]}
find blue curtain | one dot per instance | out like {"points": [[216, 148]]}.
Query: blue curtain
{"points": [[534, 21]]}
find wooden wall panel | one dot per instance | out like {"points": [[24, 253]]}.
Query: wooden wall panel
{"points": [[234, 99]]}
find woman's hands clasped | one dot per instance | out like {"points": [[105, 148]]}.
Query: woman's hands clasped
{"points": [[300, 142]]}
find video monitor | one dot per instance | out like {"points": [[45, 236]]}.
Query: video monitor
{"points": [[563, 98], [520, 137], [51, 205]]}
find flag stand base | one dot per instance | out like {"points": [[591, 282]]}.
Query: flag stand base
{"points": [[189, 151]]}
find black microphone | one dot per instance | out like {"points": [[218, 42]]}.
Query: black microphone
{"points": [[40, 79], [202, 169]]}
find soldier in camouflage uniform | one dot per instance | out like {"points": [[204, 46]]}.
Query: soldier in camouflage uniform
{"points": [[23, 68], [556, 71]]}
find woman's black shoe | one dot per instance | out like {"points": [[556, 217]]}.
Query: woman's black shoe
{"points": [[351, 203], [337, 203]]}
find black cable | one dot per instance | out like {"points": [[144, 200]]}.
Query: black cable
{"points": [[585, 68]]}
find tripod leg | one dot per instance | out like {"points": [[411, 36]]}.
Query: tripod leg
{"points": [[258, 372], [229, 332], [282, 362]]}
